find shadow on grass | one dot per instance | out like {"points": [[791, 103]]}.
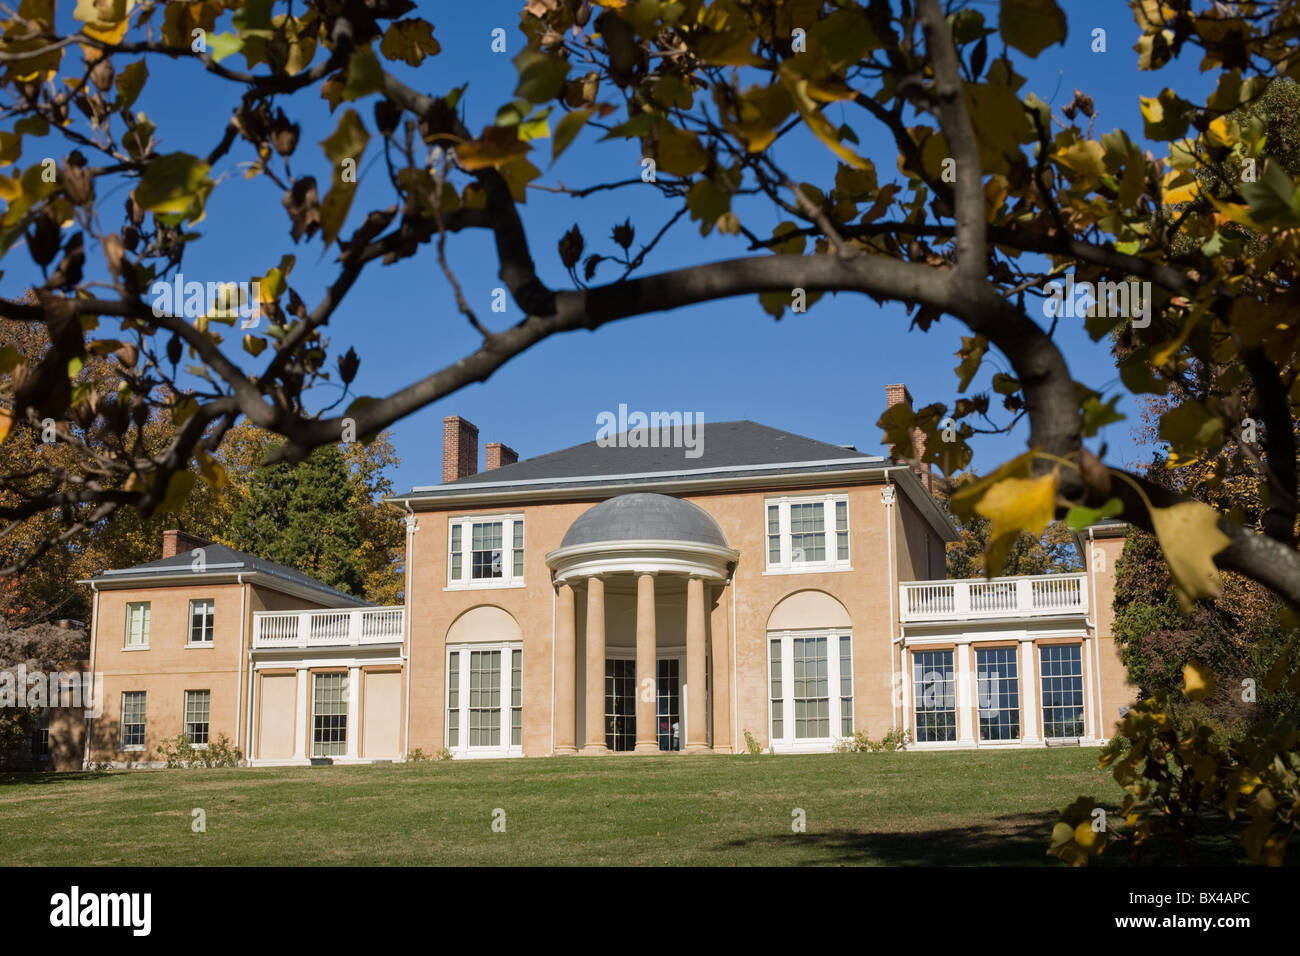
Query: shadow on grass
{"points": [[15, 777], [1019, 840]]}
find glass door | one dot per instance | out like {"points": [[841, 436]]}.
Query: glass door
{"points": [[620, 704], [668, 703]]}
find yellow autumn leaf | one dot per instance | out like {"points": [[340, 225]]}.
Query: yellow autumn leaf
{"points": [[6, 423], [1198, 682], [1190, 538], [214, 473], [1014, 505], [1084, 157], [819, 125]]}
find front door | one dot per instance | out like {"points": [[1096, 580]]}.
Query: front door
{"points": [[668, 703], [620, 703]]}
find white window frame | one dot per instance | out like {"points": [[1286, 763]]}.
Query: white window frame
{"points": [[346, 691], [466, 523], [211, 626], [146, 620], [789, 742], [144, 722], [787, 564], [185, 718], [505, 747]]}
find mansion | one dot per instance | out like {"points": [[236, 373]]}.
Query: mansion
{"points": [[767, 591]]}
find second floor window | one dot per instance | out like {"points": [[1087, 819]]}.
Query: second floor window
{"points": [[808, 534], [137, 624], [486, 552], [201, 618]]}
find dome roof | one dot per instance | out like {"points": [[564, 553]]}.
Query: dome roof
{"points": [[644, 517]]}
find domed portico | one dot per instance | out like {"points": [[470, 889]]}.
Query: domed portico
{"points": [[626, 544]]}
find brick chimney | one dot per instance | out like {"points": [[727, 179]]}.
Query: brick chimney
{"points": [[499, 455], [898, 394], [459, 448], [178, 542]]}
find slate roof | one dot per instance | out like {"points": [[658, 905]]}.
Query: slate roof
{"points": [[220, 559], [739, 448]]}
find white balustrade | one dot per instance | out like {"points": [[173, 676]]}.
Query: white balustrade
{"points": [[329, 628], [1041, 595]]}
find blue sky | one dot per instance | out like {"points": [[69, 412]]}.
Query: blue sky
{"points": [[820, 374]]}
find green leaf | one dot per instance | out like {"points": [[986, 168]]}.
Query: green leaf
{"points": [[1165, 117], [540, 76], [365, 75], [1096, 414], [1273, 198], [223, 45], [1080, 517], [130, 82], [174, 183], [567, 129], [1031, 26]]}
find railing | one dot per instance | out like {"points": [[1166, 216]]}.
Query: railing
{"points": [[1038, 596], [347, 628]]}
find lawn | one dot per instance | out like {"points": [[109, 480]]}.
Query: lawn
{"points": [[973, 808]]}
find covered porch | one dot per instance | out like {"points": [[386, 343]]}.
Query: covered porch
{"points": [[639, 665]]}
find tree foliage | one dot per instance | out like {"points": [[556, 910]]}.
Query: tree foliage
{"points": [[993, 195], [1049, 552]]}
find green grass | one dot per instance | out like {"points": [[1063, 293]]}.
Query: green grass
{"points": [[895, 809]]}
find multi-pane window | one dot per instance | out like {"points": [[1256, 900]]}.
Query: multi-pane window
{"points": [[485, 699], [41, 735], [668, 703], [1061, 669], [202, 613], [842, 530], [934, 696], [846, 686], [997, 689], [778, 692], [811, 687], [133, 720], [516, 698], [453, 700], [329, 727], [773, 534], [808, 534], [137, 624], [620, 704], [198, 704], [486, 552]]}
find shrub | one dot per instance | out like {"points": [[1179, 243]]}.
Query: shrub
{"points": [[177, 752], [860, 743]]}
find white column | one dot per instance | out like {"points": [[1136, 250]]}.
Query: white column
{"points": [[1029, 682], [1089, 716], [965, 697], [300, 717], [354, 709]]}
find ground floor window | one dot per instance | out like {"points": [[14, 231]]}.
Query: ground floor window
{"points": [[811, 686], [934, 696], [620, 704], [133, 720], [1061, 671], [997, 689], [485, 699], [329, 727], [40, 742], [198, 703]]}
